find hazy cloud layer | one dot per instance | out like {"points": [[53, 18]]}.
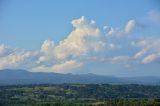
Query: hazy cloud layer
{"points": [[154, 15]]}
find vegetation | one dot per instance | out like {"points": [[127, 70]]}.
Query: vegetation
{"points": [[80, 95]]}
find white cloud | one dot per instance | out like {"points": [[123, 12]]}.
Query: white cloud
{"points": [[47, 47], [114, 31], [120, 59], [67, 66], [140, 53], [111, 46], [17, 58], [85, 43], [131, 24], [150, 59], [47, 52], [64, 67], [82, 40], [149, 50], [4, 50]]}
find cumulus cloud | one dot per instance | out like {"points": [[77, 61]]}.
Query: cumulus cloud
{"points": [[67, 66], [130, 26], [84, 44], [83, 39], [47, 52], [4, 50], [63, 67], [16, 58], [47, 47], [149, 50], [150, 58], [111, 31], [120, 59]]}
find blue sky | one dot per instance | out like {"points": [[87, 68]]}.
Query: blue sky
{"points": [[124, 28], [23, 20]]}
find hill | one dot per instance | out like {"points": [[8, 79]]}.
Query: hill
{"points": [[16, 76]]}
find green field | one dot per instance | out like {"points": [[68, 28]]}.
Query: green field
{"points": [[80, 95]]}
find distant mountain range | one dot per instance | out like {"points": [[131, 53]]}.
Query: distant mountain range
{"points": [[12, 77]]}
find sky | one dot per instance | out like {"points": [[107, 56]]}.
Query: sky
{"points": [[106, 37]]}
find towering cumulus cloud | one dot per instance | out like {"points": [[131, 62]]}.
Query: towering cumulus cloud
{"points": [[83, 39], [81, 42]]}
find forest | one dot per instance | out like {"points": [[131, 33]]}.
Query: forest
{"points": [[80, 95]]}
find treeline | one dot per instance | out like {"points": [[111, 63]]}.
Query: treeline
{"points": [[80, 95], [113, 102]]}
